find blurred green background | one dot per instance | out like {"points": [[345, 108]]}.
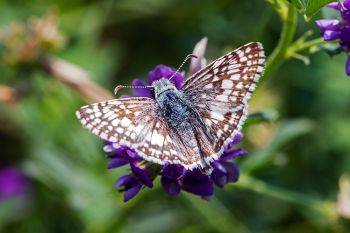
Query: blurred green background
{"points": [[290, 178]]}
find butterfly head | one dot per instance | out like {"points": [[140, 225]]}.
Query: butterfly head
{"points": [[162, 85]]}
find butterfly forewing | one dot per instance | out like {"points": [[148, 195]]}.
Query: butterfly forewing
{"points": [[134, 122], [220, 93]]}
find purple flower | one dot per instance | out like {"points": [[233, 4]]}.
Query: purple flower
{"points": [[130, 184], [174, 178], [333, 29], [171, 177], [141, 175], [160, 71], [13, 182]]}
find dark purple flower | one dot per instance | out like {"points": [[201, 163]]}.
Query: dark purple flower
{"points": [[174, 178], [122, 155], [333, 29], [160, 71], [13, 182], [347, 66], [197, 183], [171, 178], [130, 185]]}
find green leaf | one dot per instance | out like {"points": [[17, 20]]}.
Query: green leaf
{"points": [[297, 4], [263, 116], [288, 130], [315, 5]]}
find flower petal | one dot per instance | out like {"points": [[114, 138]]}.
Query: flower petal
{"points": [[199, 62], [219, 178], [197, 183], [228, 155], [131, 153], [178, 80], [140, 92], [132, 186], [173, 171], [130, 193], [329, 35], [347, 66], [13, 182], [232, 171], [171, 186], [224, 172], [142, 174], [218, 166], [334, 5], [162, 71], [328, 24], [236, 139], [125, 180], [345, 38], [219, 174], [346, 4], [116, 162]]}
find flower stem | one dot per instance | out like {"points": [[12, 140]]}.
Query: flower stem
{"points": [[319, 207], [217, 216], [76, 78], [279, 54], [306, 45]]}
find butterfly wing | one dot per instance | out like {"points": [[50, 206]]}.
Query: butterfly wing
{"points": [[136, 123], [219, 93]]}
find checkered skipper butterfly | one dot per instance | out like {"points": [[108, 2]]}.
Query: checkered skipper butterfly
{"points": [[190, 126]]}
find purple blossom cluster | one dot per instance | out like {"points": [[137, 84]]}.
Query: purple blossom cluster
{"points": [[13, 182], [174, 178], [334, 29]]}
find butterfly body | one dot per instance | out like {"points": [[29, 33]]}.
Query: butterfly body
{"points": [[172, 105], [180, 116], [188, 126]]}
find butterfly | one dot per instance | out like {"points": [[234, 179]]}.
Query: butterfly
{"points": [[188, 126]]}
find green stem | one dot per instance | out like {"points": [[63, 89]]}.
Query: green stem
{"points": [[215, 214], [287, 35], [306, 45], [323, 208]]}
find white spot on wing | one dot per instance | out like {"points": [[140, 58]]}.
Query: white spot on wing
{"points": [[222, 98], [217, 116], [239, 86], [125, 122], [235, 77], [157, 139], [260, 69], [227, 84], [115, 122]]}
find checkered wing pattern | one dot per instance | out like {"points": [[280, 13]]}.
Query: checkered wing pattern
{"points": [[220, 92], [134, 122]]}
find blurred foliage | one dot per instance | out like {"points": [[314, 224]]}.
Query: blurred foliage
{"points": [[289, 179]]}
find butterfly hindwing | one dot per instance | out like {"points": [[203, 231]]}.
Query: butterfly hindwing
{"points": [[220, 92]]}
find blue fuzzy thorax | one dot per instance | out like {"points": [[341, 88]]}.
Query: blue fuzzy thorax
{"points": [[172, 103]]}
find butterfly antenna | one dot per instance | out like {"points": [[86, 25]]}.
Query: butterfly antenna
{"points": [[183, 63], [117, 88]]}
